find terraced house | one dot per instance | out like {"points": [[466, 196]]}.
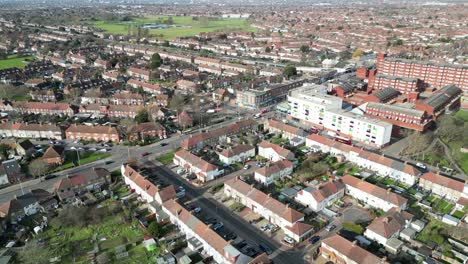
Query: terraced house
{"points": [[45, 108], [271, 209], [211, 243], [97, 133], [216, 136], [448, 188], [339, 250], [373, 195], [382, 165], [35, 131], [204, 170]]}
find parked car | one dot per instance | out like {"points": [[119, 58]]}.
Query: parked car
{"points": [[289, 240], [163, 144], [314, 239], [330, 227], [145, 154], [265, 248], [421, 165], [246, 167], [197, 210], [50, 176], [217, 226]]}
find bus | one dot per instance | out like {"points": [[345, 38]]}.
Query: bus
{"points": [[343, 140]]}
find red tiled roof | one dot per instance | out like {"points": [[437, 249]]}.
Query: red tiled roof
{"points": [[392, 222], [266, 201], [300, 228], [279, 150], [274, 167], [374, 190], [195, 161], [351, 251], [231, 152], [444, 181]]}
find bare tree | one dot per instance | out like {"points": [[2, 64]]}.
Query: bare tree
{"points": [[38, 168]]}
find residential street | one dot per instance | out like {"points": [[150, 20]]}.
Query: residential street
{"points": [[232, 221], [119, 156]]}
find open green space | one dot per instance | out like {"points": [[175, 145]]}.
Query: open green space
{"points": [[71, 159], [166, 158], [15, 61], [181, 26]]}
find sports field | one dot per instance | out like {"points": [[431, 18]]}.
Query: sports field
{"points": [[14, 61], [185, 25]]}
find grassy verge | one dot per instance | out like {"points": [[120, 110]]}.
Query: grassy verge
{"points": [[71, 159], [166, 158]]}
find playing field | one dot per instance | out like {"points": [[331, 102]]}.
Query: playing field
{"points": [[14, 61], [186, 26]]}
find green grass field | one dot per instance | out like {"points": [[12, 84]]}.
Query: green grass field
{"points": [[14, 61], [190, 27]]}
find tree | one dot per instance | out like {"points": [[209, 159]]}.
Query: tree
{"points": [[357, 53], [142, 116], [38, 168], [305, 49], [177, 102], [289, 71], [268, 49], [4, 150], [450, 128], [103, 258], [154, 229], [156, 61]]}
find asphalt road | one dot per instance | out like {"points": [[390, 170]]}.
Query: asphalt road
{"points": [[232, 221]]}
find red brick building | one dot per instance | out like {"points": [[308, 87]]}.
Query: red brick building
{"points": [[383, 96], [433, 74], [147, 130], [97, 133], [447, 98], [405, 85], [54, 155], [400, 116]]}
